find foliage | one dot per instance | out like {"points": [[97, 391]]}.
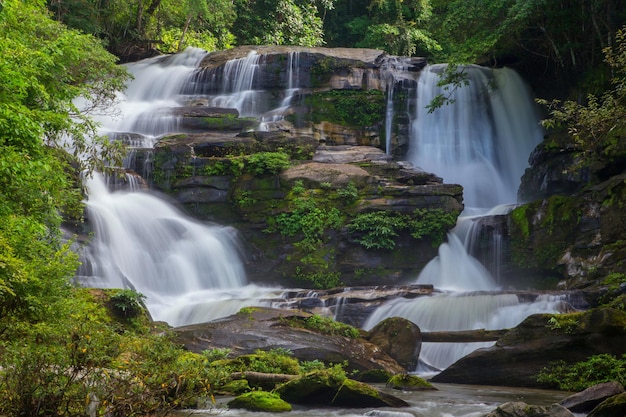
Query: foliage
{"points": [[262, 163], [379, 229], [433, 223], [280, 22], [324, 325], [320, 279], [348, 194], [597, 125], [128, 303], [582, 375], [80, 361], [348, 107], [142, 24], [307, 218], [216, 354], [567, 323]]}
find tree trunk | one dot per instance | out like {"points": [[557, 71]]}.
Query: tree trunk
{"points": [[182, 37]]}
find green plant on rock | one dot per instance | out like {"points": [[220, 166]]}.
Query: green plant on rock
{"points": [[378, 229], [434, 223], [127, 303], [324, 325], [320, 279], [263, 163], [308, 219], [349, 194], [358, 108], [275, 361], [567, 323], [581, 375]]}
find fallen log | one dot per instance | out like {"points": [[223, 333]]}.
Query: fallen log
{"points": [[261, 377], [463, 336]]}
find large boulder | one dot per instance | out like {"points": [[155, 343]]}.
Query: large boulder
{"points": [[517, 358], [326, 388], [521, 409], [587, 400], [264, 328], [611, 407], [400, 339]]}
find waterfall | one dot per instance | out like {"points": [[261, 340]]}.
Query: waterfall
{"points": [[140, 240], [237, 88], [482, 139], [463, 311], [193, 272]]}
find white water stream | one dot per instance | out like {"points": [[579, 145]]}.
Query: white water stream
{"points": [[192, 272], [481, 140]]}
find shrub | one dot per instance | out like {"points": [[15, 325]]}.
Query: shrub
{"points": [[582, 375], [378, 229], [267, 163]]}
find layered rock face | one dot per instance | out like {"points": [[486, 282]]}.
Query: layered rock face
{"points": [[299, 166], [571, 231]]}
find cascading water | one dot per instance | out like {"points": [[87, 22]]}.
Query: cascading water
{"points": [[463, 311], [480, 140], [192, 272], [140, 240]]}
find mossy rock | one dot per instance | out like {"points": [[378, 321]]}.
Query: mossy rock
{"points": [[260, 401], [407, 382], [611, 407], [374, 376], [327, 388], [236, 387]]}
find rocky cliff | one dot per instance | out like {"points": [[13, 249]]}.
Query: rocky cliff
{"points": [[308, 184]]}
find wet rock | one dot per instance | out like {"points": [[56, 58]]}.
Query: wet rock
{"points": [[521, 409], [611, 407], [400, 339], [585, 401], [518, 357], [260, 401], [265, 329], [325, 388], [316, 173]]}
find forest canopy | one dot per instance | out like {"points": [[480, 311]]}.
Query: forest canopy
{"points": [[562, 39]]}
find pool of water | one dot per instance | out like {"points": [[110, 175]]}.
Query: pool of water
{"points": [[450, 400]]}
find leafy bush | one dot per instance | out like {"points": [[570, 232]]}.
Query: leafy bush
{"points": [[434, 223], [582, 375], [267, 162], [127, 303], [378, 229]]}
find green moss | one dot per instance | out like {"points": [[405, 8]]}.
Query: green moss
{"points": [[519, 216], [260, 401], [407, 382], [358, 108], [323, 325]]}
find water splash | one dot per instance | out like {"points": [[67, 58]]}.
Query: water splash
{"points": [[463, 311], [454, 269]]}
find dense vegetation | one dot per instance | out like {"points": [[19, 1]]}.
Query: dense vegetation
{"points": [[56, 341]]}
